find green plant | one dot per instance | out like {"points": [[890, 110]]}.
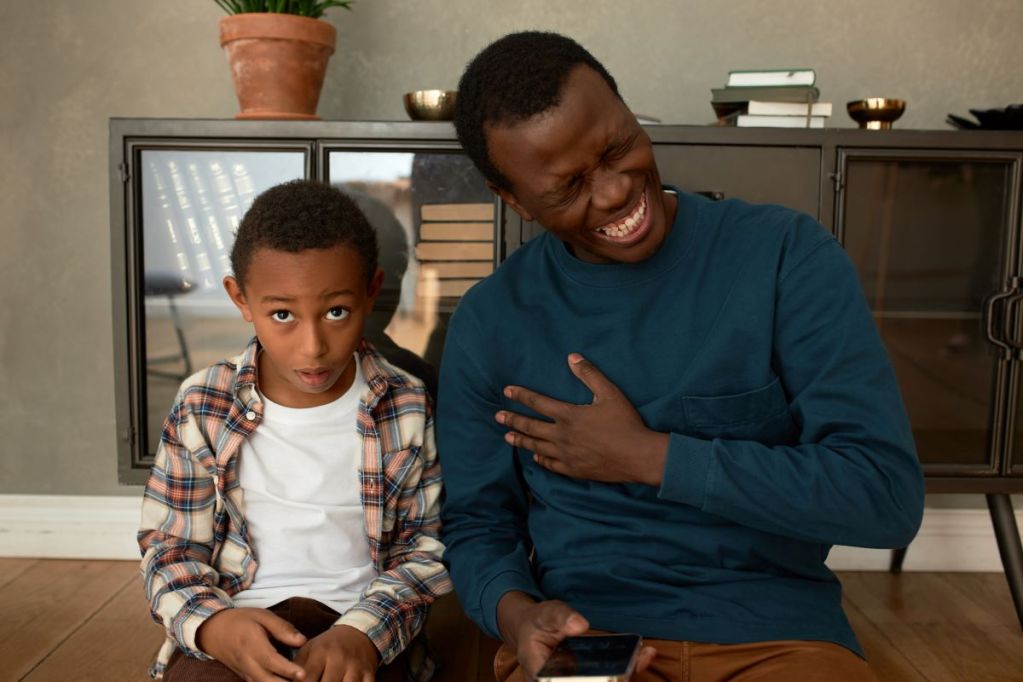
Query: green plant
{"points": [[306, 8]]}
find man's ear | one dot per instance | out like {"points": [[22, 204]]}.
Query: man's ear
{"points": [[237, 294], [509, 198]]}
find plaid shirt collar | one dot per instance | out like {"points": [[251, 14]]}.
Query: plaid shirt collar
{"points": [[378, 377]]}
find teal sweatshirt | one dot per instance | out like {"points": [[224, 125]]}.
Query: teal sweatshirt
{"points": [[746, 337]]}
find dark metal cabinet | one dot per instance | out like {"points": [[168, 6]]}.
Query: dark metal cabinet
{"points": [[931, 220]]}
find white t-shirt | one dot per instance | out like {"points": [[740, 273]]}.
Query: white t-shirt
{"points": [[299, 473]]}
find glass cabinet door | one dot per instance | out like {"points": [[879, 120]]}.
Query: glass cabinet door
{"points": [[928, 233], [439, 231], [191, 202]]}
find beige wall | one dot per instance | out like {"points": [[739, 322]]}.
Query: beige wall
{"points": [[66, 66]]}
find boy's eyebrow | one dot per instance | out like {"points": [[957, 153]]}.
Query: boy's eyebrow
{"points": [[273, 298]]}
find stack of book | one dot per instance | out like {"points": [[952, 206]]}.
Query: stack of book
{"points": [[779, 98]]}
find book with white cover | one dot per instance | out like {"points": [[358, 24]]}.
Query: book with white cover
{"points": [[787, 108], [771, 77], [758, 121]]}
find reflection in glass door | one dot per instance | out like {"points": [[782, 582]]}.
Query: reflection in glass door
{"points": [[927, 235], [192, 202], [436, 225]]}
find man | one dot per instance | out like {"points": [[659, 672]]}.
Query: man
{"points": [[744, 416]]}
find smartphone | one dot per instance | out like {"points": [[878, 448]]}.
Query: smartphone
{"points": [[592, 658]]}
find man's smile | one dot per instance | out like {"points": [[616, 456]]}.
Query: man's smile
{"points": [[629, 229]]}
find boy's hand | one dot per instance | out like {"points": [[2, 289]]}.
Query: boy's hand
{"points": [[240, 639], [340, 653]]}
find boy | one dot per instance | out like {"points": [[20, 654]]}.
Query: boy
{"points": [[292, 510]]}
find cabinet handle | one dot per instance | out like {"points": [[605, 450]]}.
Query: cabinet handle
{"points": [[989, 319], [1010, 325]]}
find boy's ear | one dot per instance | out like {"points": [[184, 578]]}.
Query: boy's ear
{"points": [[509, 198], [237, 295]]}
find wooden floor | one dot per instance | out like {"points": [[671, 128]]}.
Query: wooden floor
{"points": [[66, 621]]}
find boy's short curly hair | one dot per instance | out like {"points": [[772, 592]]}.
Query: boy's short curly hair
{"points": [[511, 80], [299, 215]]}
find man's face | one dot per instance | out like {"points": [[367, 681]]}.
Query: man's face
{"points": [[308, 310], [585, 170]]}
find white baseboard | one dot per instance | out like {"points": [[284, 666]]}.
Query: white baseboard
{"points": [[948, 540], [103, 527], [69, 526]]}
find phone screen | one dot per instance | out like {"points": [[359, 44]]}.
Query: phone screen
{"points": [[592, 655]]}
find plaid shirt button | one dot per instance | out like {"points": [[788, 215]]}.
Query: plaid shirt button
{"points": [[250, 415]]}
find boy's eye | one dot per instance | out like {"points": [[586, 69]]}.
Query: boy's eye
{"points": [[337, 313], [282, 315]]}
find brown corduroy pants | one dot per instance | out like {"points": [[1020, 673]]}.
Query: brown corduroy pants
{"points": [[782, 661], [309, 617]]}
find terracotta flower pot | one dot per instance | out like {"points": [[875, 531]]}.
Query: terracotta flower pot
{"points": [[277, 62]]}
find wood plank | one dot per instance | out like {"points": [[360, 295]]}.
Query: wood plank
{"points": [[992, 591], [457, 212], [427, 251], [457, 232], [887, 662], [11, 568], [458, 270], [945, 634], [119, 642], [42, 607]]}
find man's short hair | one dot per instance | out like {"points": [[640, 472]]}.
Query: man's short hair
{"points": [[300, 215], [510, 81]]}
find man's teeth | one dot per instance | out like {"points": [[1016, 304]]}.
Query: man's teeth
{"points": [[624, 227]]}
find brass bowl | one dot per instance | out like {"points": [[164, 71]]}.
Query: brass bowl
{"points": [[431, 105], [875, 113]]}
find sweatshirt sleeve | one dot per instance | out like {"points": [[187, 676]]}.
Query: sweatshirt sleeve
{"points": [[485, 504], [851, 476]]}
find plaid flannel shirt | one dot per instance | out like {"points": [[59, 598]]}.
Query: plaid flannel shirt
{"points": [[193, 536]]}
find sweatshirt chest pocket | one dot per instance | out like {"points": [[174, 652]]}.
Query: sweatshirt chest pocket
{"points": [[760, 415]]}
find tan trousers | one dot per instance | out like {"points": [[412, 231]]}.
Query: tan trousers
{"points": [[781, 661]]}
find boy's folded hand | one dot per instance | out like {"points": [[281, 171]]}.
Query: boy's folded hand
{"points": [[240, 638], [340, 653]]}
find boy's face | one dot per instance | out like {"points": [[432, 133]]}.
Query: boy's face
{"points": [[585, 170], [308, 310]]}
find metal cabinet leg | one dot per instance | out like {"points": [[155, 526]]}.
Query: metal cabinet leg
{"points": [[1009, 546], [898, 556]]}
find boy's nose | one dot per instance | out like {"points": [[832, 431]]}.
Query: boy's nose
{"points": [[314, 342]]}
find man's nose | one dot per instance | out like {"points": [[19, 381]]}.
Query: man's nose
{"points": [[611, 190]]}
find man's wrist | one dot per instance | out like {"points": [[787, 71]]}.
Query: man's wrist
{"points": [[653, 456], [511, 609]]}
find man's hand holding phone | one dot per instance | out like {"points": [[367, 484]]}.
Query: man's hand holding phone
{"points": [[533, 629]]}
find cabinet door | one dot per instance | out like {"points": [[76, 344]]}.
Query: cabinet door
{"points": [[439, 232], [929, 233], [789, 176], [188, 203]]}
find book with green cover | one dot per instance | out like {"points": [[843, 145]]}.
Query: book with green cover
{"points": [[766, 93]]}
